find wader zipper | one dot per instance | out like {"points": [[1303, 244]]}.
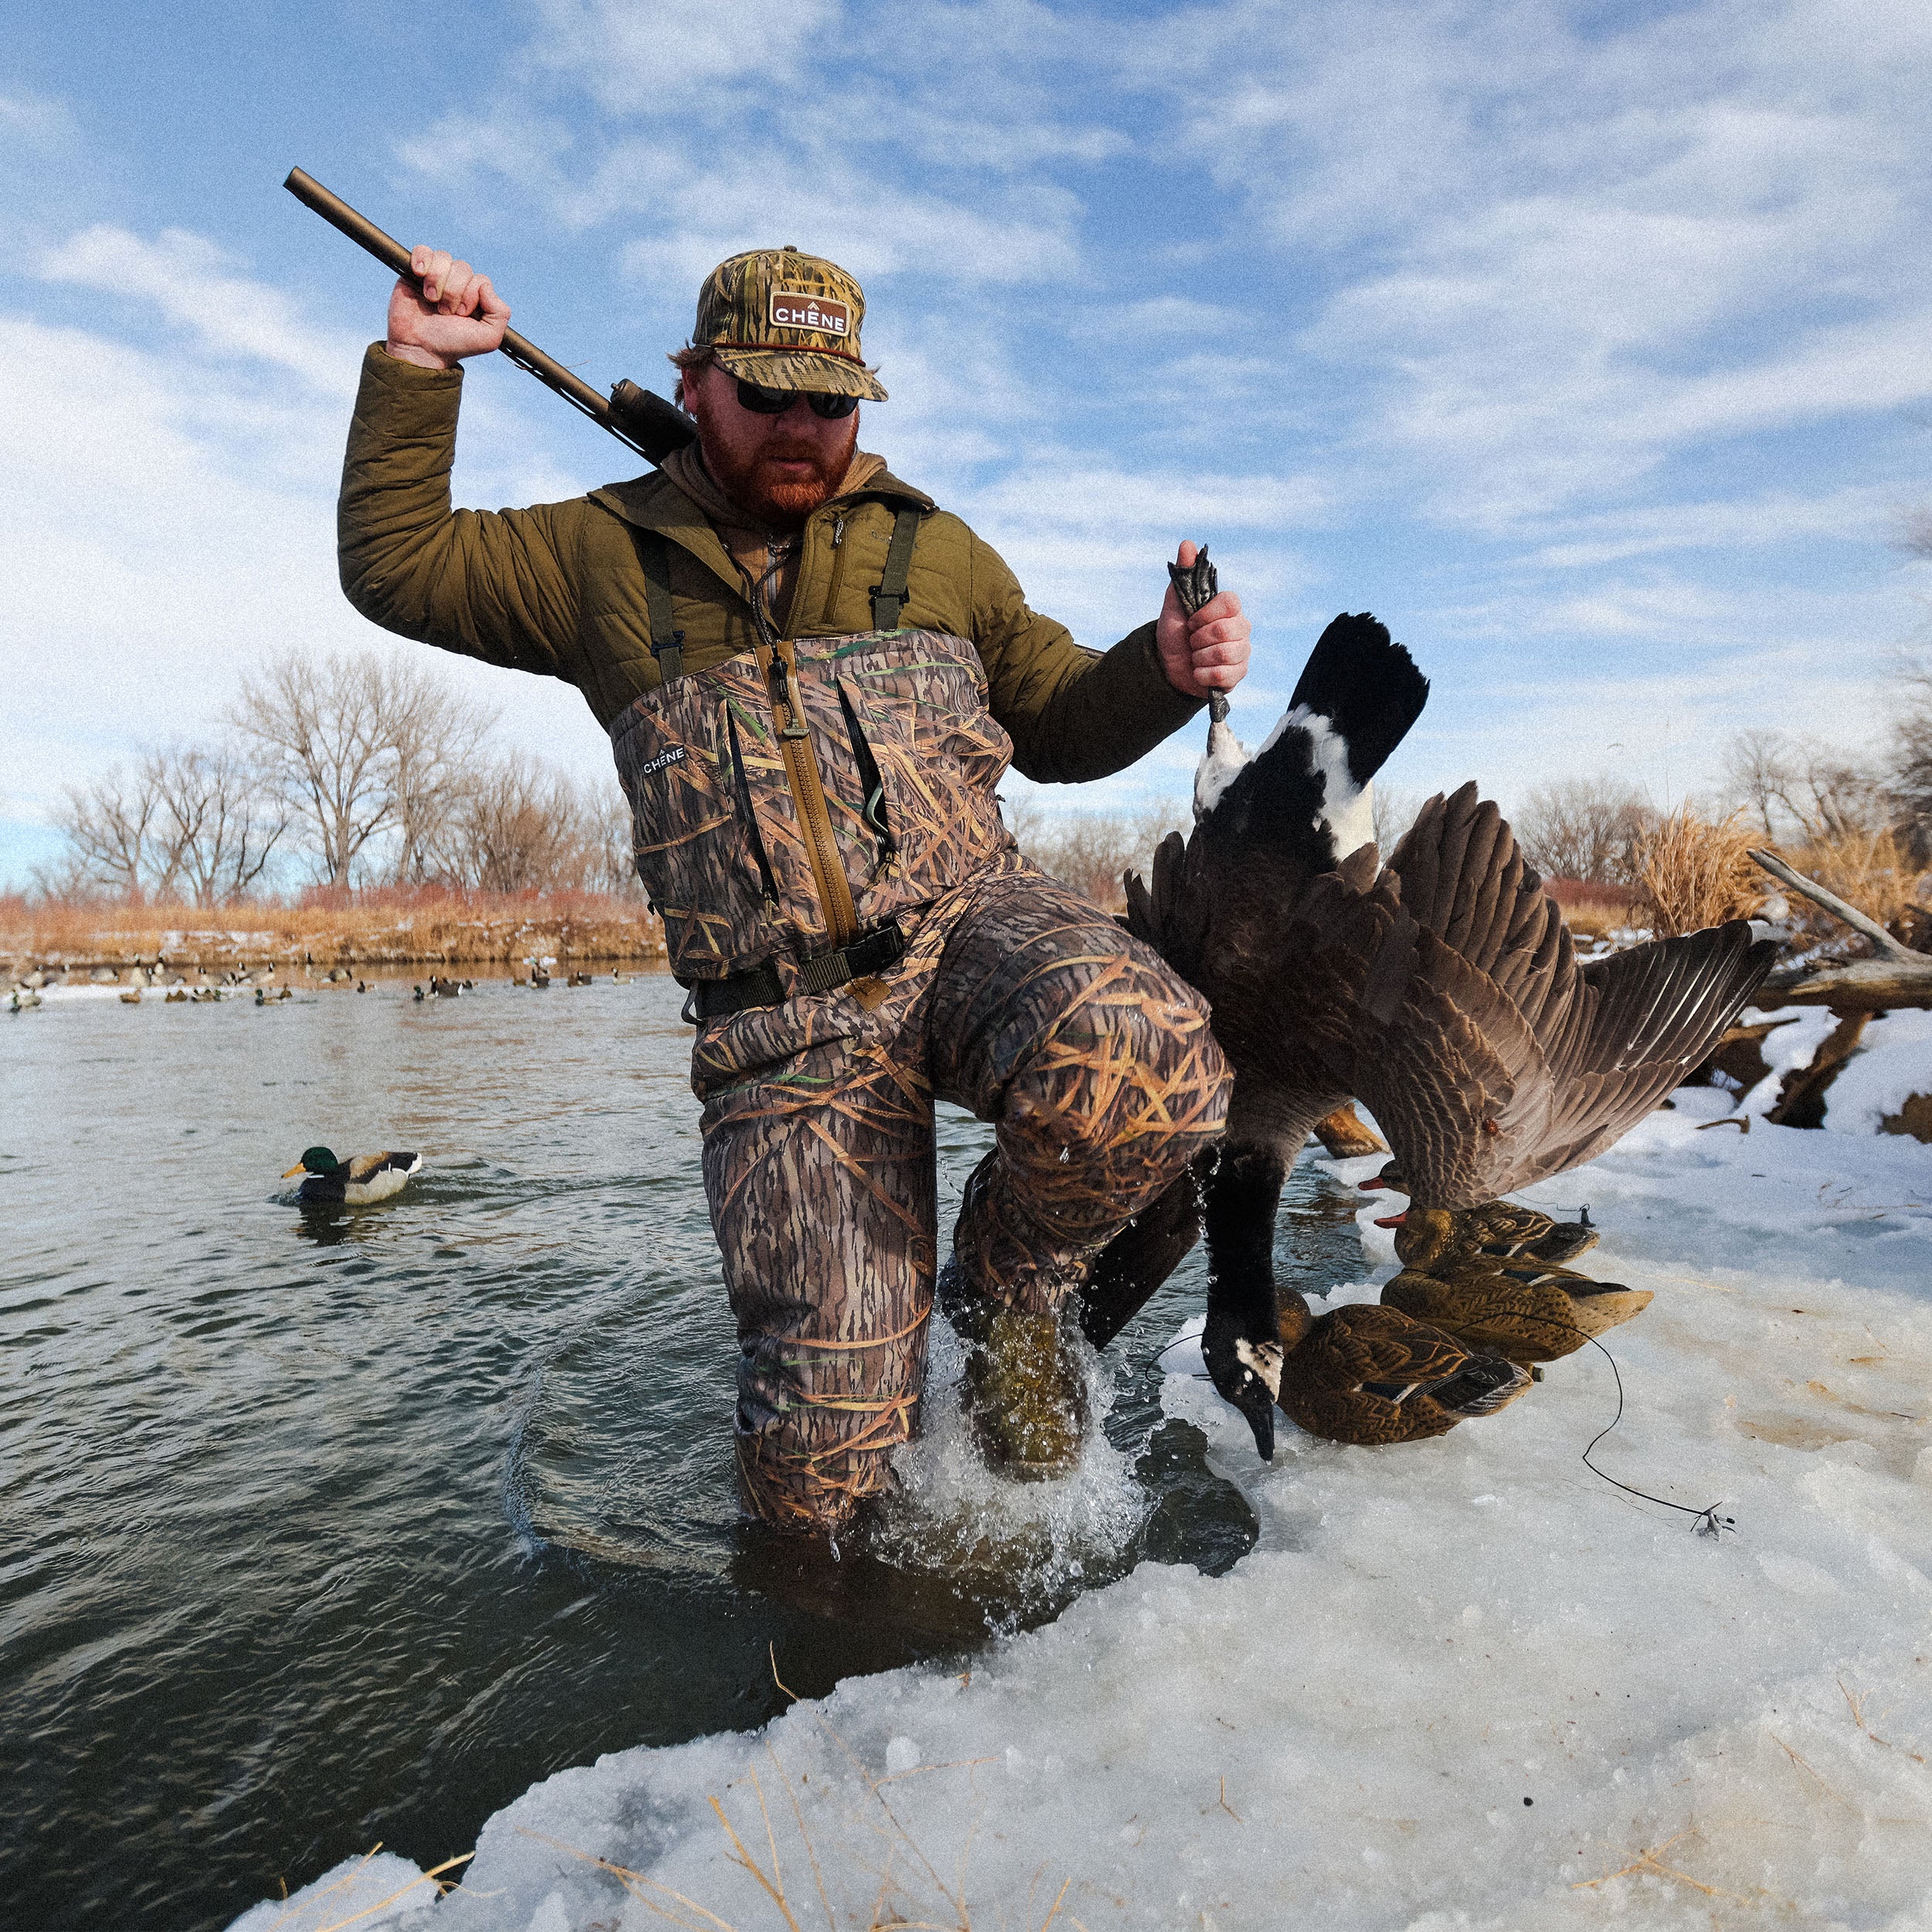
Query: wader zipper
{"points": [[778, 660]]}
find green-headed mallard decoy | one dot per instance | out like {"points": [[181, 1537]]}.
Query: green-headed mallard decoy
{"points": [[356, 1182]]}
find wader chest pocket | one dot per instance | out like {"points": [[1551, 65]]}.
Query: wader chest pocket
{"points": [[688, 836]]}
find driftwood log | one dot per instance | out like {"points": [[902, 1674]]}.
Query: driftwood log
{"points": [[1896, 975]]}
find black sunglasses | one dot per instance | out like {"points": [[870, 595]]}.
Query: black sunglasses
{"points": [[774, 402]]}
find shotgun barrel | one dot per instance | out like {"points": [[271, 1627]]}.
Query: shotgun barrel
{"points": [[637, 418]]}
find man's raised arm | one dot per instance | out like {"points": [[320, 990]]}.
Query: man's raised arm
{"points": [[491, 585]]}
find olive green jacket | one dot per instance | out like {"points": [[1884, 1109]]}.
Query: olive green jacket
{"points": [[559, 589]]}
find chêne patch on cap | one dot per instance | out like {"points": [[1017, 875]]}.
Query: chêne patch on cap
{"points": [[794, 308]]}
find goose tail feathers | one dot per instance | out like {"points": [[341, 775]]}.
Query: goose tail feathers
{"points": [[1357, 697], [1366, 688]]}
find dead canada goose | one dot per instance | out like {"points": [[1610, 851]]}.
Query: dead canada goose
{"points": [[1222, 910], [1442, 991]]}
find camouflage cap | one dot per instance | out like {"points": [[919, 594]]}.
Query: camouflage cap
{"points": [[772, 315]]}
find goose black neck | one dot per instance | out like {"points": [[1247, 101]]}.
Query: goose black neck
{"points": [[1240, 1203]]}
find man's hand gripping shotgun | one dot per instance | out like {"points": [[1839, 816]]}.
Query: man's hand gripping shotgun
{"points": [[645, 423]]}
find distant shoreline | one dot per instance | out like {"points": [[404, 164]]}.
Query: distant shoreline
{"points": [[389, 929]]}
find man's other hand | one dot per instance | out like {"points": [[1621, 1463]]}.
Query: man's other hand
{"points": [[456, 313], [1208, 651]]}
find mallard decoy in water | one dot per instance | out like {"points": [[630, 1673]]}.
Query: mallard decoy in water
{"points": [[1363, 1374], [21, 1001], [356, 1183], [1518, 1307], [1442, 992], [1501, 1227], [416, 992]]}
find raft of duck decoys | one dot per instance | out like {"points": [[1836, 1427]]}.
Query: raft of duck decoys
{"points": [[1441, 988]]}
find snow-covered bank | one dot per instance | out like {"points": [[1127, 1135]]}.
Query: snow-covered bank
{"points": [[1459, 1684]]}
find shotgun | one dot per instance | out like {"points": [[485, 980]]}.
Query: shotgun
{"points": [[637, 418]]}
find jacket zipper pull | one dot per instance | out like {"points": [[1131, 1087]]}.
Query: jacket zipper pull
{"points": [[838, 532]]}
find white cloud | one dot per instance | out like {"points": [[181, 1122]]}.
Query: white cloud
{"points": [[191, 281], [1554, 253], [36, 122], [664, 57], [171, 524], [1857, 513]]}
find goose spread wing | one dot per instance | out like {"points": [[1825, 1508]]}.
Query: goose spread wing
{"points": [[1609, 1039], [1638, 1020]]}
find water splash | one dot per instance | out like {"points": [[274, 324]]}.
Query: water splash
{"points": [[1021, 1547]]}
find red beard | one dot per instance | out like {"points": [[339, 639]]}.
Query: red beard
{"points": [[782, 502]]}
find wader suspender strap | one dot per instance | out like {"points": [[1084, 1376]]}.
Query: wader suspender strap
{"points": [[667, 645], [890, 592]]}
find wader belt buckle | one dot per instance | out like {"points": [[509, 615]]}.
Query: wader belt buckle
{"points": [[760, 986]]}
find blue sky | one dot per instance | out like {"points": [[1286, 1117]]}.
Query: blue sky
{"points": [[1590, 346]]}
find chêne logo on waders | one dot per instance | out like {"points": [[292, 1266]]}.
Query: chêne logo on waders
{"points": [[793, 308], [671, 755]]}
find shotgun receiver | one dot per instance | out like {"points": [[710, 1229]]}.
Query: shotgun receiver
{"points": [[638, 418]]}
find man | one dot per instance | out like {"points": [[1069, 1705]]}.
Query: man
{"points": [[814, 679]]}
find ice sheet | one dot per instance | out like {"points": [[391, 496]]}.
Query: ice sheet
{"points": [[1458, 1686]]}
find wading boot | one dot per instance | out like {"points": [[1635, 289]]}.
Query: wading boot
{"points": [[1025, 1398]]}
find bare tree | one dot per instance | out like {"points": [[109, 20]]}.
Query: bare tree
{"points": [[1910, 769], [616, 869], [113, 834], [1090, 850], [521, 826], [435, 736], [1582, 829], [1802, 788], [218, 828], [362, 750], [1757, 773]]}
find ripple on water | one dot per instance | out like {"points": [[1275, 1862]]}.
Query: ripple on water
{"points": [[331, 1526]]}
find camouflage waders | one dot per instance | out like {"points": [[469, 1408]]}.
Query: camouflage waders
{"points": [[1013, 997]]}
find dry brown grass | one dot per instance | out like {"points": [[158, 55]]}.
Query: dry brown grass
{"points": [[1870, 870], [1592, 909], [1697, 871], [389, 928]]}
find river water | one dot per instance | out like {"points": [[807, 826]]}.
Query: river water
{"points": [[318, 1529]]}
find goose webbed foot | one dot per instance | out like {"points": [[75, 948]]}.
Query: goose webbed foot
{"points": [[1195, 585]]}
